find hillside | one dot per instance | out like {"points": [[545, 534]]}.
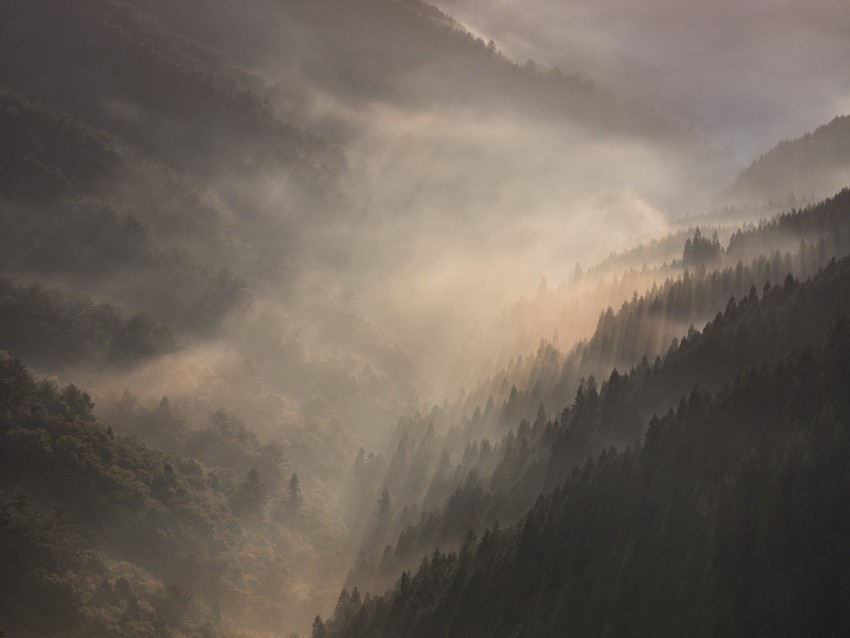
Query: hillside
{"points": [[713, 509], [275, 320], [500, 476], [103, 535], [56, 331], [112, 66], [813, 165]]}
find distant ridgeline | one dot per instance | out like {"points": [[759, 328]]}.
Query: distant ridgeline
{"points": [[799, 242], [729, 517], [438, 498], [816, 164]]}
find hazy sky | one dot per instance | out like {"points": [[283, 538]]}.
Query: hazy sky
{"points": [[745, 72]]}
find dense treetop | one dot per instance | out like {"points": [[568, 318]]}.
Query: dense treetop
{"points": [[727, 519]]}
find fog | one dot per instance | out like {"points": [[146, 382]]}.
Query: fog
{"points": [[466, 214], [357, 243], [745, 73]]}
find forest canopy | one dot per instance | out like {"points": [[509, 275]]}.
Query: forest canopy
{"points": [[406, 318]]}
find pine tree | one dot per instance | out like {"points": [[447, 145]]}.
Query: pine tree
{"points": [[295, 499]]}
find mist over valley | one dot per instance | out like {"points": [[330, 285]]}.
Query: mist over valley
{"points": [[390, 318]]}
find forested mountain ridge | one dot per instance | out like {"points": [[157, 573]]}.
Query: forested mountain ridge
{"points": [[112, 66], [240, 241], [499, 480], [95, 203], [70, 220], [115, 121], [142, 156], [110, 496], [731, 509], [815, 164], [54, 156], [49, 328], [438, 495], [437, 62], [106, 536], [689, 290]]}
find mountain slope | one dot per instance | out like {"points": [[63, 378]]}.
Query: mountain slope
{"points": [[105, 536], [815, 164], [107, 63], [48, 328], [499, 480], [340, 49], [728, 519]]}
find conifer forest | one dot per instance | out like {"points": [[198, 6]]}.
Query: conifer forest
{"points": [[424, 319]]}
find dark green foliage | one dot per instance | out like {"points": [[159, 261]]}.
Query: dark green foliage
{"points": [[51, 155], [759, 328], [730, 519], [164, 521], [645, 324], [82, 199], [223, 441], [116, 497], [294, 498], [56, 581], [826, 222], [61, 164], [319, 630], [162, 512], [701, 251], [643, 327], [63, 226], [250, 496], [41, 558], [537, 458], [153, 173], [52, 330], [90, 245], [106, 62]]}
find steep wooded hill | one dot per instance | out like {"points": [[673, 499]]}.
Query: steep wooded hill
{"points": [[816, 164], [726, 519]]}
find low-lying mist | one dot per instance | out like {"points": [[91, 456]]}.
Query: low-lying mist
{"points": [[318, 265], [460, 214]]}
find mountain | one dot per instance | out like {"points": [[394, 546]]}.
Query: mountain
{"points": [[250, 254], [700, 528], [523, 439], [774, 438], [54, 330], [813, 165], [438, 63], [743, 73], [165, 163], [499, 476], [100, 524], [113, 66]]}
